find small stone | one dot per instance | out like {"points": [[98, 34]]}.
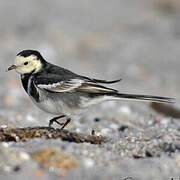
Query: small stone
{"points": [[4, 126], [16, 168], [165, 121], [105, 131], [128, 138], [85, 152], [125, 110], [93, 132], [5, 145], [122, 128], [136, 155], [149, 153], [7, 168], [113, 126], [30, 118], [145, 138], [89, 163], [167, 138], [97, 119], [131, 139], [24, 156], [78, 130]]}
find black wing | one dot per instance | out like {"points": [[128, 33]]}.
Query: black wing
{"points": [[56, 83]]}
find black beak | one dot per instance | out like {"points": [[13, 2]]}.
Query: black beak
{"points": [[12, 67]]}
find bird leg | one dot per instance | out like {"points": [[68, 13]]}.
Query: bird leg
{"points": [[66, 123], [55, 120], [61, 124]]}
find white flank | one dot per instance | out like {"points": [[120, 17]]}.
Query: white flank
{"points": [[86, 102]]}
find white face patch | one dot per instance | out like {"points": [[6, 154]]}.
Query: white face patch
{"points": [[27, 64]]}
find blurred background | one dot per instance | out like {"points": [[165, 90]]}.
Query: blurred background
{"points": [[138, 41]]}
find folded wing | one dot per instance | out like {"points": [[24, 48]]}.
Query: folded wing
{"points": [[72, 85]]}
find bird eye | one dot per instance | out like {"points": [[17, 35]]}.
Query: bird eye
{"points": [[26, 63]]}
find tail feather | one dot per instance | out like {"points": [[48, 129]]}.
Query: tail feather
{"points": [[136, 97], [106, 82], [101, 81]]}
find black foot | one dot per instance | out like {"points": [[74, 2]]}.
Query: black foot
{"points": [[55, 120], [66, 123]]}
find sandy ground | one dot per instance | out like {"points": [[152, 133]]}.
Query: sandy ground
{"points": [[138, 41]]}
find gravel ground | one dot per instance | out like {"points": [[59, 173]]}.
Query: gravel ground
{"points": [[137, 41]]}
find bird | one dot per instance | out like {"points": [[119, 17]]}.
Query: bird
{"points": [[63, 93]]}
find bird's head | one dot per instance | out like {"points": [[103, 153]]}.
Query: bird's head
{"points": [[27, 61]]}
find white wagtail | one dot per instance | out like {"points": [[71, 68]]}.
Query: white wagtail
{"points": [[61, 92]]}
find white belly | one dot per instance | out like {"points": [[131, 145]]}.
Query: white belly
{"points": [[49, 106], [56, 107]]}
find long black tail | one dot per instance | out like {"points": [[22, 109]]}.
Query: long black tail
{"points": [[144, 98]]}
